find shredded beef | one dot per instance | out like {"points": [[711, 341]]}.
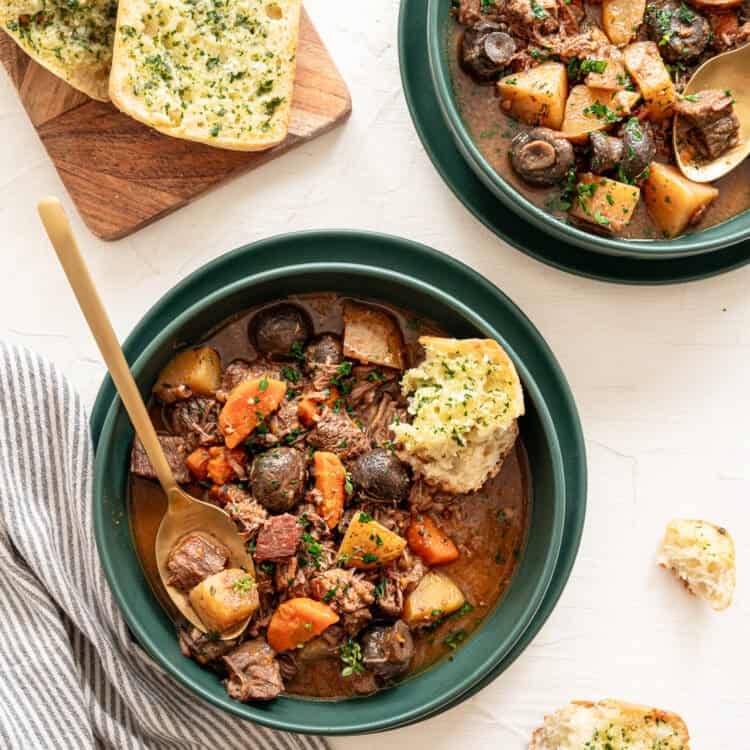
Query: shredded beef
{"points": [[342, 590], [248, 514], [196, 419]]}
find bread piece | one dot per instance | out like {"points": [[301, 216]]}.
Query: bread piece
{"points": [[465, 399], [702, 556], [220, 72], [611, 725], [71, 38]]}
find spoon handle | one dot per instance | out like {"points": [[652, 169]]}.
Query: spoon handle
{"points": [[61, 236]]}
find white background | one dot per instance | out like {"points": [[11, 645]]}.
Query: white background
{"points": [[660, 376]]}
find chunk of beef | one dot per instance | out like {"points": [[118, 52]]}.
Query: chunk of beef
{"points": [[203, 648], [196, 419], [277, 539], [355, 622], [342, 590], [254, 673], [388, 650], [176, 449], [195, 557], [471, 11], [240, 370], [248, 514], [712, 125], [399, 579], [288, 665], [277, 478], [337, 433], [363, 683]]}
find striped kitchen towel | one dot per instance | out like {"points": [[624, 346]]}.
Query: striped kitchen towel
{"points": [[71, 678]]}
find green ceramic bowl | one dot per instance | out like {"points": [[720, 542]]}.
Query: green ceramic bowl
{"points": [[722, 235], [345, 270]]}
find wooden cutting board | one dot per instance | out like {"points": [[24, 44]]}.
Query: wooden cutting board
{"points": [[123, 175]]}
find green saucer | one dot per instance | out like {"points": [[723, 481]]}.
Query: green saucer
{"points": [[437, 140]]}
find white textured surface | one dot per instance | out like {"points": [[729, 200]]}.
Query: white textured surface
{"points": [[660, 375]]}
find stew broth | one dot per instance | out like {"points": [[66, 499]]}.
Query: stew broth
{"points": [[489, 526]]}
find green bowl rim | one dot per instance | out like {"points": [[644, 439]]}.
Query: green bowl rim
{"points": [[474, 318], [690, 244]]}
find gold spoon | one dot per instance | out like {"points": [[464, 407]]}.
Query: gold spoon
{"points": [[184, 513], [726, 72]]}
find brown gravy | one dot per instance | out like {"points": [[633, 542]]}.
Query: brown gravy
{"points": [[488, 526], [492, 131]]}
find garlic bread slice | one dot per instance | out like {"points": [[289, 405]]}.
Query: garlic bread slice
{"points": [[220, 72], [611, 725], [702, 556], [71, 38], [464, 401]]}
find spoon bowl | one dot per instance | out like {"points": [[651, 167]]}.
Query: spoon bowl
{"points": [[725, 72], [185, 513]]}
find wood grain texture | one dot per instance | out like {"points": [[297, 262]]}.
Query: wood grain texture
{"points": [[122, 175]]}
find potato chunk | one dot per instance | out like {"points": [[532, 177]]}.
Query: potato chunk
{"points": [[605, 203], [645, 65], [621, 19], [372, 336], [613, 78], [225, 599], [368, 543], [198, 369], [673, 201], [435, 596], [589, 109], [536, 96]]}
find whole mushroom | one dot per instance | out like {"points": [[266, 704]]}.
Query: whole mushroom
{"points": [[485, 51], [277, 329], [541, 157], [681, 32], [277, 479], [639, 149], [381, 475]]}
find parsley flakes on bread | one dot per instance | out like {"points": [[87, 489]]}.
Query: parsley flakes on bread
{"points": [[465, 400], [71, 38], [611, 725], [220, 72]]}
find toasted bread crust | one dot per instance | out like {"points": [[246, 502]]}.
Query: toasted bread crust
{"points": [[604, 721]]}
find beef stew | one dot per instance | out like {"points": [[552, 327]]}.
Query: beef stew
{"points": [[572, 101], [364, 572]]}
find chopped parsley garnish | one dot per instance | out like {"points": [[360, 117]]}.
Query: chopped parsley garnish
{"points": [[454, 638], [365, 517], [351, 657], [290, 373], [243, 585], [331, 593], [297, 351], [368, 558], [538, 11], [263, 385]]}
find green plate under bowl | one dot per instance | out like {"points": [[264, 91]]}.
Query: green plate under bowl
{"points": [[433, 283], [437, 139]]}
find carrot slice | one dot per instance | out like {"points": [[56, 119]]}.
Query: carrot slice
{"points": [[330, 481], [310, 407], [247, 406], [428, 541], [296, 621], [222, 465], [197, 463]]}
